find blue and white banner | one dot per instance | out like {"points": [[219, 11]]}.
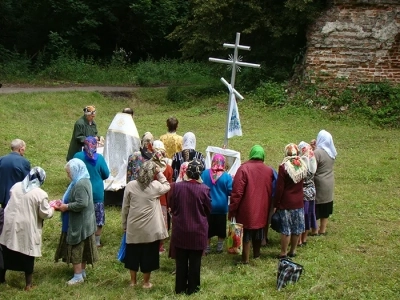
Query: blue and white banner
{"points": [[234, 126]]}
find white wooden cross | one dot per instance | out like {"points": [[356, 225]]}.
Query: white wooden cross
{"points": [[235, 63]]}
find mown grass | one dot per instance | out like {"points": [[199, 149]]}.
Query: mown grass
{"points": [[356, 260]]}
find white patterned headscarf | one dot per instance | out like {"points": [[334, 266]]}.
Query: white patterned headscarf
{"points": [[189, 141], [307, 156], [325, 141], [34, 179]]}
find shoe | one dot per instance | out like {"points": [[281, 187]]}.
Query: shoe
{"points": [[84, 274], [99, 245], [74, 281], [314, 234], [208, 250], [281, 256], [322, 233], [29, 287], [304, 244], [291, 254], [220, 248]]}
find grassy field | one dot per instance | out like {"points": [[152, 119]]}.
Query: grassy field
{"points": [[358, 259]]}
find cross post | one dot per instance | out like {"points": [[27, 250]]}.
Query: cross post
{"points": [[235, 63]]}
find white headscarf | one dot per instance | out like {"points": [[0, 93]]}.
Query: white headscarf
{"points": [[189, 141], [34, 179], [325, 141], [307, 156]]}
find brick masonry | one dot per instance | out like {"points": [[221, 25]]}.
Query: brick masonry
{"points": [[355, 41]]}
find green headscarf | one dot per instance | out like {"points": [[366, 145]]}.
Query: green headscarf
{"points": [[257, 152]]}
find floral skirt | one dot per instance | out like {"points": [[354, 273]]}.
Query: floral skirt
{"points": [[85, 251]]}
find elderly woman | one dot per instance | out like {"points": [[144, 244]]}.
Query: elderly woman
{"points": [[325, 154], [21, 239], [289, 199], [84, 126], [220, 184], [161, 160], [251, 199], [190, 206], [307, 156], [146, 148], [187, 154], [98, 171], [143, 222], [77, 242]]}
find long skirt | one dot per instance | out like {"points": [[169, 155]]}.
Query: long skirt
{"points": [[17, 261], [309, 215], [84, 252]]}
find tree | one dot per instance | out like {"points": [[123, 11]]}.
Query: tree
{"points": [[276, 30]]}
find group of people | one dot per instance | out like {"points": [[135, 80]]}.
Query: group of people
{"points": [[168, 191]]}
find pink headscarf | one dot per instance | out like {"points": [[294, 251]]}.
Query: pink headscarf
{"points": [[217, 167], [182, 171]]}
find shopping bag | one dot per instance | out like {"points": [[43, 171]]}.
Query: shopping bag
{"points": [[288, 272], [122, 249], [276, 221], [235, 237]]}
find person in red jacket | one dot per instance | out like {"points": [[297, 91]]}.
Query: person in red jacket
{"points": [[289, 199], [250, 200]]}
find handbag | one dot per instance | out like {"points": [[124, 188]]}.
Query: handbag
{"points": [[122, 249], [235, 237], [288, 272], [276, 221]]}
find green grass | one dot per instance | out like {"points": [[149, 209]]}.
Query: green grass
{"points": [[358, 259]]}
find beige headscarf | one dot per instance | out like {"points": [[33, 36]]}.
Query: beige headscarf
{"points": [[294, 166]]}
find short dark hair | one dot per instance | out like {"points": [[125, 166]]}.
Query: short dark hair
{"points": [[172, 123], [128, 110]]}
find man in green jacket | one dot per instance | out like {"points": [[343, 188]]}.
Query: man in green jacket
{"points": [[84, 127]]}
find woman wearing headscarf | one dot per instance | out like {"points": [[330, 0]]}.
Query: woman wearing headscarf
{"points": [[77, 241], [84, 126], [187, 154], [135, 161], [250, 201], [161, 160], [220, 184], [21, 239], [143, 222], [308, 157], [289, 199], [146, 148], [98, 171], [325, 154], [190, 206]]}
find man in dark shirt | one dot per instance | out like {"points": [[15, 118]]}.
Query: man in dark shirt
{"points": [[13, 168]]}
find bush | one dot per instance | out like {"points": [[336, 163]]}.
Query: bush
{"points": [[271, 93]]}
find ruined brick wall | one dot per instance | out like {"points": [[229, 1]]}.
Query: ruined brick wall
{"points": [[355, 41]]}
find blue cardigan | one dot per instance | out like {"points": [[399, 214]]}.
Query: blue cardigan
{"points": [[97, 173], [219, 191]]}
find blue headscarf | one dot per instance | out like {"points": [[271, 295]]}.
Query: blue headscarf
{"points": [[78, 171], [90, 150]]}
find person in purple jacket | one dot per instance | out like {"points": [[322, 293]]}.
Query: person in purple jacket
{"points": [[190, 206]]}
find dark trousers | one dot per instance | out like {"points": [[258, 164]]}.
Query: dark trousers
{"points": [[188, 263]]}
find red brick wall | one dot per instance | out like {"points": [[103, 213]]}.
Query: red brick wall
{"points": [[355, 41]]}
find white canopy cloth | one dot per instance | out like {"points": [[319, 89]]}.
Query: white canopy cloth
{"points": [[122, 140], [232, 158]]}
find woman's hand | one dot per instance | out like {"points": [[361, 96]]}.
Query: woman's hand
{"points": [[62, 207]]}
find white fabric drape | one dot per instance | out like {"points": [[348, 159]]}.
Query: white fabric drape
{"points": [[122, 140]]}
